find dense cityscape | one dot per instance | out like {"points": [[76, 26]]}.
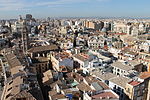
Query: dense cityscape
{"points": [[74, 58]]}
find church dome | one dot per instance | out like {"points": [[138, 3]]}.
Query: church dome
{"points": [[104, 30]]}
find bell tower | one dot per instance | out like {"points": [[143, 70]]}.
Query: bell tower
{"points": [[25, 38]]}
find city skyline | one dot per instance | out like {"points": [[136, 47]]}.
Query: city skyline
{"points": [[73, 50], [74, 8]]}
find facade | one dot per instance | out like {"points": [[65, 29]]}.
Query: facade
{"points": [[120, 68], [96, 42], [18, 85], [61, 59], [118, 85], [134, 90], [41, 51], [81, 60], [145, 46], [66, 45], [41, 64], [120, 28], [47, 77], [134, 31], [94, 25], [145, 77]]}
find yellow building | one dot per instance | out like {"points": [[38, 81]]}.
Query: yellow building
{"points": [[134, 90]]}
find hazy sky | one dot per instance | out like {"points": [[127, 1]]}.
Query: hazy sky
{"points": [[77, 8]]}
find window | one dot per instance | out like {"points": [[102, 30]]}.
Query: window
{"points": [[128, 90], [107, 82], [121, 95], [118, 70], [10, 82], [118, 92], [142, 85], [9, 89], [118, 74], [119, 89], [122, 90], [7, 96]]}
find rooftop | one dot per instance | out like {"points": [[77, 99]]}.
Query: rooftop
{"points": [[58, 96], [47, 75], [105, 95], [40, 59], [43, 48], [84, 87], [22, 83], [122, 66], [62, 55], [12, 60], [134, 62], [82, 57], [145, 75], [105, 76], [97, 86], [53, 92], [70, 90], [120, 81], [127, 50], [134, 83]]}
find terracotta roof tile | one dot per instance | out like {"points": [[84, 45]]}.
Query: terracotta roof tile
{"points": [[134, 83], [144, 75], [43, 48], [105, 95]]}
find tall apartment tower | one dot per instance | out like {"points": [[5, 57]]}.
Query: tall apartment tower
{"points": [[28, 17]]}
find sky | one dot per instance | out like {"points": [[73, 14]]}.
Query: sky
{"points": [[74, 8]]}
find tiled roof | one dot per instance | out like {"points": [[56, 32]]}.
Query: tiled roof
{"points": [[105, 95], [58, 96], [97, 86], [43, 48], [53, 92], [122, 66], [144, 75], [120, 81], [84, 87], [105, 76], [12, 60], [82, 57], [47, 75], [134, 62], [134, 83]]}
